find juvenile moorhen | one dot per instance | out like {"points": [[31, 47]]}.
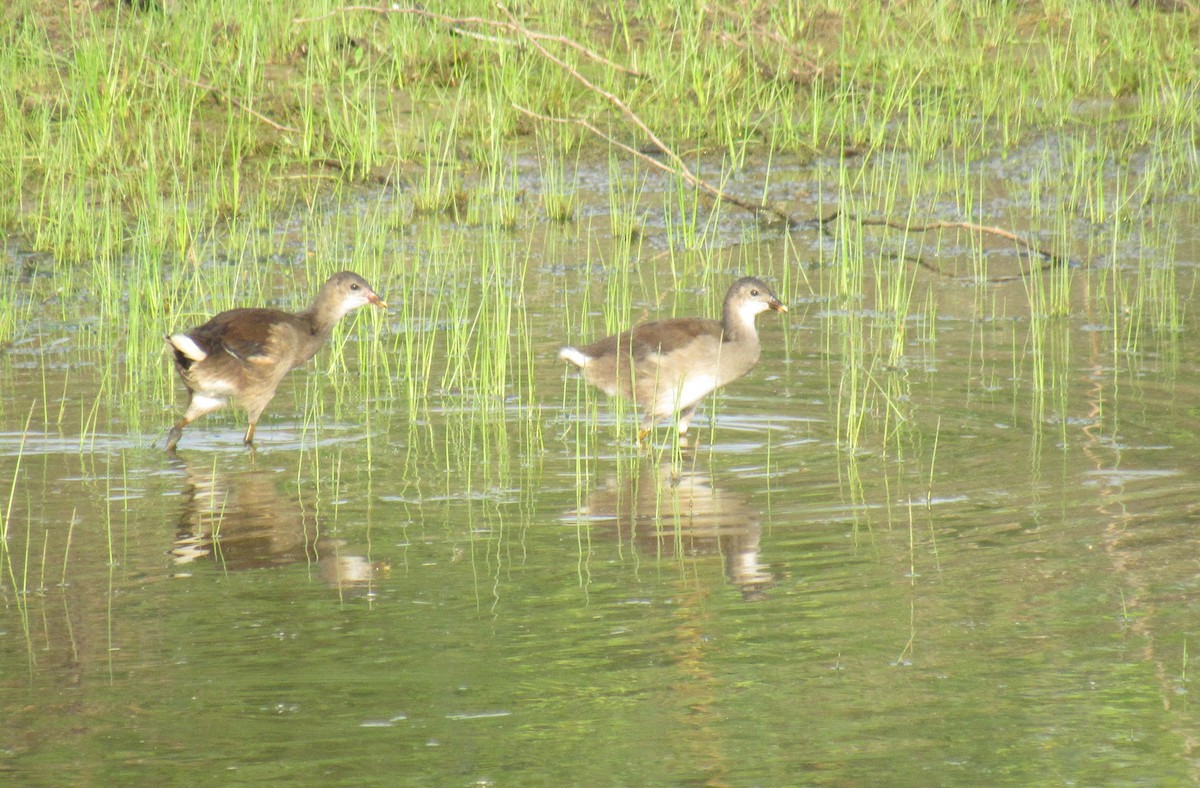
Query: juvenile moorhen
{"points": [[668, 366], [240, 356]]}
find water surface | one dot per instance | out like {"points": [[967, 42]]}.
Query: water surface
{"points": [[975, 563]]}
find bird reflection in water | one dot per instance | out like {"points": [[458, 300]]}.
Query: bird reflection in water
{"points": [[240, 520], [670, 511]]}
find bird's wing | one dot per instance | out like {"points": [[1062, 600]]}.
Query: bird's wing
{"points": [[249, 335], [649, 342], [664, 337]]}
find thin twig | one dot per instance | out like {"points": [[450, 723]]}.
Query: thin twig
{"points": [[672, 168], [606, 137], [458, 24], [240, 105], [1052, 258], [678, 166]]}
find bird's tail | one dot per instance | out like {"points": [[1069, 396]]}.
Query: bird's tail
{"points": [[575, 356], [186, 347]]}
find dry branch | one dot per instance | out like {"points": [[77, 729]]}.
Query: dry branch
{"points": [[678, 166], [1052, 258], [674, 164], [674, 168]]}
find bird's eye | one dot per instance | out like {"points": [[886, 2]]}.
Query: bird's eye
{"points": [[354, 287], [754, 293]]}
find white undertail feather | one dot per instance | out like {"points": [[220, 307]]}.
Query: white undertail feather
{"points": [[574, 356], [694, 388], [203, 403], [187, 346]]}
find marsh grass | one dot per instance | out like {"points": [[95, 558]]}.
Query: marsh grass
{"points": [[691, 219], [627, 185], [170, 165], [440, 187], [227, 87], [328, 87], [558, 177], [18, 578]]}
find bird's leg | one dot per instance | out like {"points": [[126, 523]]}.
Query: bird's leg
{"points": [[199, 405], [685, 419], [683, 422], [646, 428], [175, 434], [254, 411]]}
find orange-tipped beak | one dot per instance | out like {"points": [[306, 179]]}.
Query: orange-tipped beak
{"points": [[376, 300], [777, 306]]}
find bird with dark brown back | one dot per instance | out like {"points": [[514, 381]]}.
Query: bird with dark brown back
{"points": [[668, 366], [240, 356]]}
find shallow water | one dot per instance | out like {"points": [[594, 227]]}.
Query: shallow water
{"points": [[992, 579]]}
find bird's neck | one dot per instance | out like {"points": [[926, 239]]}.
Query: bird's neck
{"points": [[737, 326], [320, 319]]}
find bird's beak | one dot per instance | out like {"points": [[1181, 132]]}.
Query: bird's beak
{"points": [[376, 300], [777, 305]]}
